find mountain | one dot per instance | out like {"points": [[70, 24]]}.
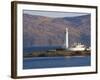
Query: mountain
{"points": [[43, 31]]}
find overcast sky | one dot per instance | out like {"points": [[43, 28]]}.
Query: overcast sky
{"points": [[53, 13]]}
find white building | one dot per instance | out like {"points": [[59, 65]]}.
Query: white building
{"points": [[77, 47]]}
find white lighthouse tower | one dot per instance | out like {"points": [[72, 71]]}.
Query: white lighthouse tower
{"points": [[66, 38]]}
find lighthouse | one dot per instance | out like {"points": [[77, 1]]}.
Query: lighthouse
{"points": [[66, 41]]}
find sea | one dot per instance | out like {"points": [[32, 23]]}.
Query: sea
{"points": [[53, 62]]}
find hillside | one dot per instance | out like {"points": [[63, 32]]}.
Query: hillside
{"points": [[47, 31]]}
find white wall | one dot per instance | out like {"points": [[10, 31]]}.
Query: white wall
{"points": [[5, 41]]}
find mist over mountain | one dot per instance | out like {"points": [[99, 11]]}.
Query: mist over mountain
{"points": [[48, 31]]}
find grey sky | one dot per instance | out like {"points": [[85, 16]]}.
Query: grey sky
{"points": [[53, 13]]}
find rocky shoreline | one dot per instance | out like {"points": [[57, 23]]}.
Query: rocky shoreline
{"points": [[55, 53]]}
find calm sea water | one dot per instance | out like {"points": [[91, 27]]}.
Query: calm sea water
{"points": [[54, 62]]}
